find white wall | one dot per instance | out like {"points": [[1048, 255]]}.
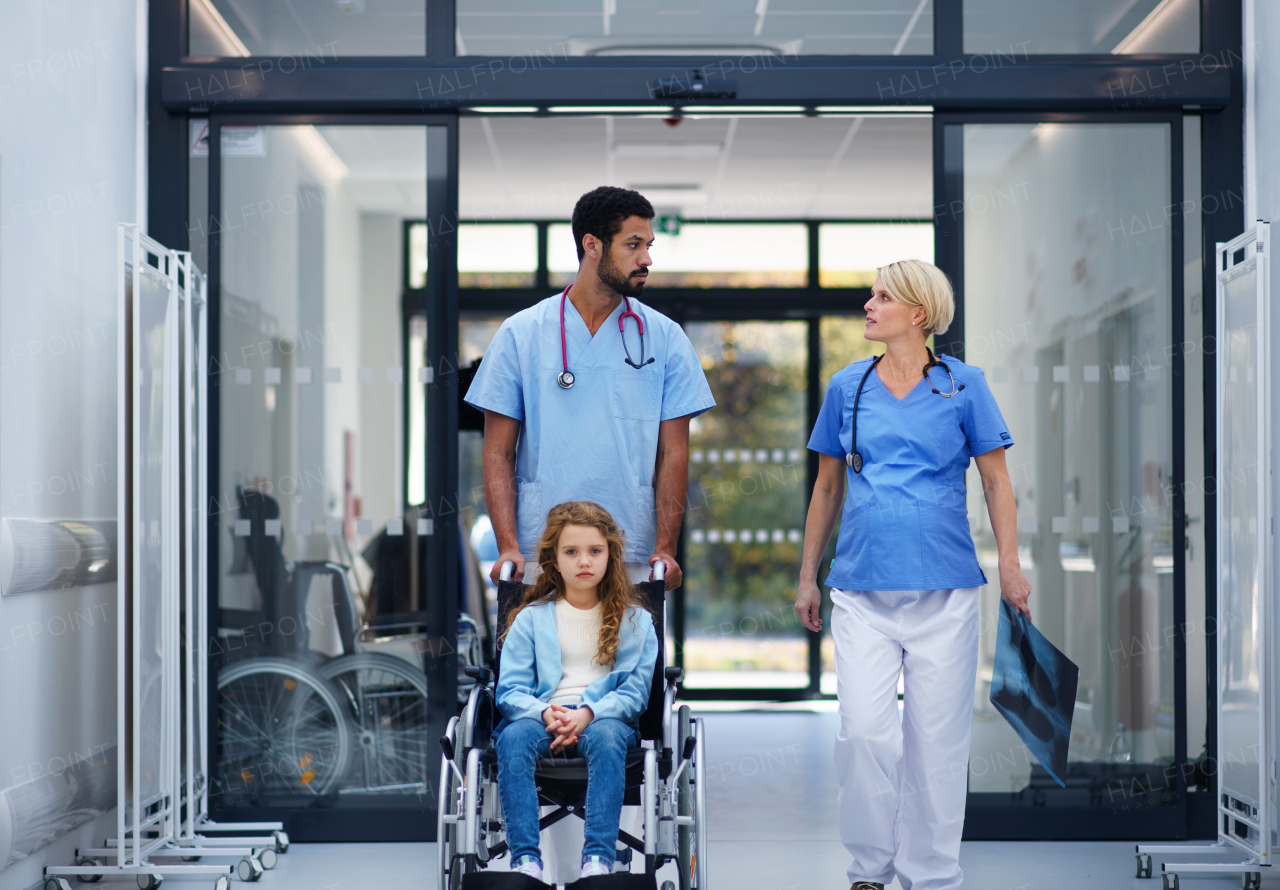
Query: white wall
{"points": [[67, 177]]}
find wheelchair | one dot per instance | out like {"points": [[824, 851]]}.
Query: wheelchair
{"points": [[664, 776]]}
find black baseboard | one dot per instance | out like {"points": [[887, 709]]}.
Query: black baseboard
{"points": [[341, 825]]}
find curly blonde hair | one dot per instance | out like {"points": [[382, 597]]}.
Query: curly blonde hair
{"points": [[616, 592]]}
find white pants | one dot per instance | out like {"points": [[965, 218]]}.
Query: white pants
{"points": [[903, 779]]}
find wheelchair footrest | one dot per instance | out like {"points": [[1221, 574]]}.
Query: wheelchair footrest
{"points": [[621, 881], [501, 880]]}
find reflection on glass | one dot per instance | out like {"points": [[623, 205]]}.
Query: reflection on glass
{"points": [[707, 255], [1240, 628], [850, 253], [316, 541], [746, 508], [1017, 28], [706, 27], [306, 34], [1067, 310]]}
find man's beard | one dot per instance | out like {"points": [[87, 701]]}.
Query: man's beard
{"points": [[611, 277]]}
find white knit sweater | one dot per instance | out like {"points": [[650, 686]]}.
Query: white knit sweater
{"points": [[579, 633]]}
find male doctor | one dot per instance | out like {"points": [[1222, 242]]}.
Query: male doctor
{"points": [[588, 395]]}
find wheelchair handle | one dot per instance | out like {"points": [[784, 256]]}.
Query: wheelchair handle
{"points": [[508, 569], [659, 570]]}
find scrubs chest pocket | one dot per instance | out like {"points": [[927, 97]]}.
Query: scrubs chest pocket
{"points": [[637, 394]]}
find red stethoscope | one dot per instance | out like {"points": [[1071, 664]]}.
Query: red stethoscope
{"points": [[565, 377]]}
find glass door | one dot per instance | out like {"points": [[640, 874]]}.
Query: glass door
{"points": [[333, 637], [1067, 249]]}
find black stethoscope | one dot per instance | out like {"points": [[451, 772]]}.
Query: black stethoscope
{"points": [[853, 458], [565, 377]]}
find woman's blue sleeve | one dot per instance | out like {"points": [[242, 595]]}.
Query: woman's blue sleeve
{"points": [[826, 432], [627, 700], [984, 425], [518, 673]]}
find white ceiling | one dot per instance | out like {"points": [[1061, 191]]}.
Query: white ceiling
{"points": [[704, 168]]}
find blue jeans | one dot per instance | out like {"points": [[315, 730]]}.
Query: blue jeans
{"points": [[604, 744]]}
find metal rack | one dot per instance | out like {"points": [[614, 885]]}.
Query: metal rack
{"points": [[162, 680], [1245, 620]]}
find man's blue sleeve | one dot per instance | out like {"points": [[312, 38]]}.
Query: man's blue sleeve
{"points": [[684, 384], [498, 385]]}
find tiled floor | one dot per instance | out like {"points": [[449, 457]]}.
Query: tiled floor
{"points": [[771, 797]]}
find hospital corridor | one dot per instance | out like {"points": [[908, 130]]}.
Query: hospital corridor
{"points": [[653, 445]]}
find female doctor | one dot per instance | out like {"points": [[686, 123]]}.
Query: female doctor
{"points": [[901, 429]]}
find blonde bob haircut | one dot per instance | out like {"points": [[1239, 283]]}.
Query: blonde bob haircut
{"points": [[918, 283]]}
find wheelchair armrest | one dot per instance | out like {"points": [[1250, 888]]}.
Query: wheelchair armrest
{"points": [[674, 675], [475, 725], [481, 674]]}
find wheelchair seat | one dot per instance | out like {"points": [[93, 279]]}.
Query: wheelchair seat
{"points": [[568, 775]]}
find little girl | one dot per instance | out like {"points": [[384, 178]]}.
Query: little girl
{"points": [[578, 654]]}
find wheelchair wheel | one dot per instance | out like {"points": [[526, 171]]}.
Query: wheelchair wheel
{"points": [[282, 728], [458, 871], [448, 806], [386, 700], [685, 835], [699, 806]]}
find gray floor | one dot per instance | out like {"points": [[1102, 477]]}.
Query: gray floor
{"points": [[771, 796]]}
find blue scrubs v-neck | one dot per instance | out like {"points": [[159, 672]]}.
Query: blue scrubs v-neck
{"points": [[597, 441], [905, 525]]}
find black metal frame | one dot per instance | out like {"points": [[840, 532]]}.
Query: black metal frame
{"points": [[953, 82]]}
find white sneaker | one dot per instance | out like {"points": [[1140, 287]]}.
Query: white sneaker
{"points": [[529, 867], [594, 868]]}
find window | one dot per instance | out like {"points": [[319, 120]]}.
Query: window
{"points": [[305, 34], [500, 255], [850, 253], [1027, 27], [744, 33], [704, 255]]}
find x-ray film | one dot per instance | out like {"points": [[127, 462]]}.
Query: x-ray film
{"points": [[1034, 686]]}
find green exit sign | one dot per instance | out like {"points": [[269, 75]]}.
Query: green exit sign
{"points": [[667, 225]]}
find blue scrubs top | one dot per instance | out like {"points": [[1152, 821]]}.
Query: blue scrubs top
{"points": [[905, 526], [599, 440]]}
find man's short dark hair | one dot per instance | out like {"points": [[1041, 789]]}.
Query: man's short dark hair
{"points": [[601, 212]]}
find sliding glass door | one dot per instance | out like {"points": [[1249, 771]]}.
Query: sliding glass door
{"points": [[1066, 249], [332, 650]]}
